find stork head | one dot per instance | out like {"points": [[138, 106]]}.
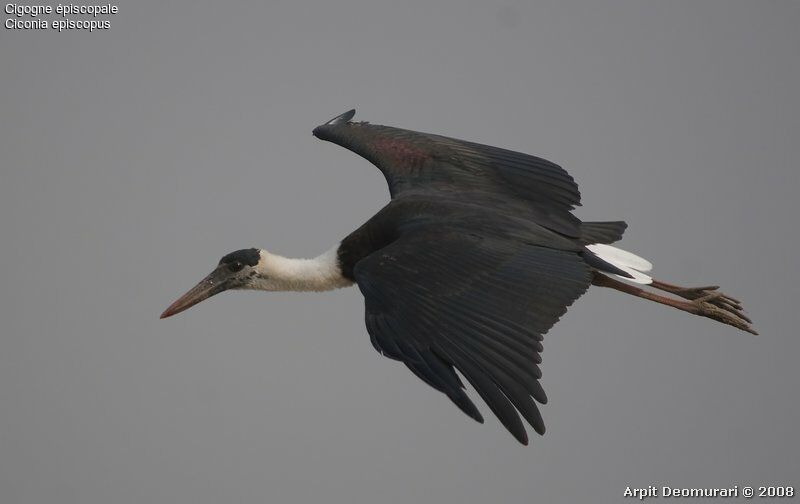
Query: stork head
{"points": [[238, 270]]}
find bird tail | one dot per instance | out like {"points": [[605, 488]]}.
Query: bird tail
{"points": [[621, 263], [602, 232], [596, 235]]}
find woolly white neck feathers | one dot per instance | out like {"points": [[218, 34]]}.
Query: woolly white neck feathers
{"points": [[278, 273]]}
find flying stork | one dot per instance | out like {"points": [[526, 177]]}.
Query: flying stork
{"points": [[472, 261]]}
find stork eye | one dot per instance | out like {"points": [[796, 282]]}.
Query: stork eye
{"points": [[235, 266]]}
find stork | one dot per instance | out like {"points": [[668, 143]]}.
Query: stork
{"points": [[472, 261]]}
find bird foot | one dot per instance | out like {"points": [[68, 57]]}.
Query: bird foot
{"points": [[706, 301], [717, 306], [710, 302], [713, 296]]}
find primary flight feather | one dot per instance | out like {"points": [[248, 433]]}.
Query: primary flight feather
{"points": [[472, 261]]}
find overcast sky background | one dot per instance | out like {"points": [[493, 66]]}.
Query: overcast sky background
{"points": [[133, 158]]}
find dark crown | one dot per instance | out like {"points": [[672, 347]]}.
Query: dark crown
{"points": [[250, 257]]}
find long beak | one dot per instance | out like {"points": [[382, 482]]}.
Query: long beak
{"points": [[211, 285]]}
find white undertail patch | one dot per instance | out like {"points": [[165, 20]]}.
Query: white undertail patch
{"points": [[626, 261]]}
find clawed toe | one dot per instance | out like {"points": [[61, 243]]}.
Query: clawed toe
{"points": [[711, 295], [707, 306], [706, 301], [699, 290]]}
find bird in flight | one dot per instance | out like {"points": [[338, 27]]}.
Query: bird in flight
{"points": [[472, 261]]}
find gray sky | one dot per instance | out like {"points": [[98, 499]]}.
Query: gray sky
{"points": [[133, 158]]}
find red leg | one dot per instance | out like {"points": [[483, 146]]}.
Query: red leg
{"points": [[703, 301]]}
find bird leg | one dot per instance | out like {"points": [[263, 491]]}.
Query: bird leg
{"points": [[710, 292], [704, 301]]}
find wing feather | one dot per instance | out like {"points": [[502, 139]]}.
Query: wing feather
{"points": [[415, 162], [445, 300]]}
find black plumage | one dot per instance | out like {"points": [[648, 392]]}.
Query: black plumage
{"points": [[250, 257], [476, 256], [472, 261]]}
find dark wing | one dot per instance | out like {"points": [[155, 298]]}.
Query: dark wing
{"points": [[415, 162], [479, 304]]}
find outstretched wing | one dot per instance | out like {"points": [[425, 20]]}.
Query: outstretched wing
{"points": [[425, 163], [457, 299]]}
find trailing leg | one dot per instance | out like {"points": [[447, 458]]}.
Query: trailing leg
{"points": [[704, 301]]}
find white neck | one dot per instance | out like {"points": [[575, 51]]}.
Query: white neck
{"points": [[278, 273]]}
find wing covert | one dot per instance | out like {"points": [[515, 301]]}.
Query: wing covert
{"points": [[414, 162], [459, 300]]}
